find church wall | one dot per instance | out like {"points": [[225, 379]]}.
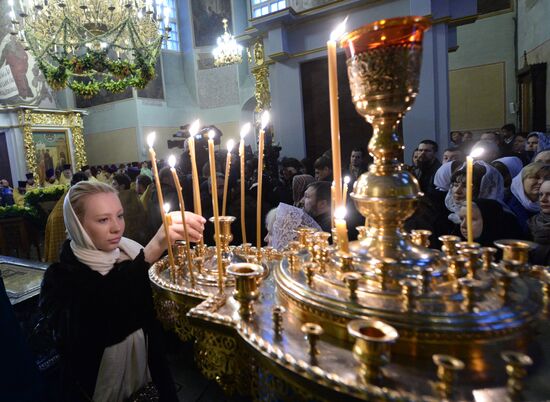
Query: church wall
{"points": [[534, 38], [112, 146], [482, 74]]}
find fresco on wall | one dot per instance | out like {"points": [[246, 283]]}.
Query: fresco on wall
{"points": [[154, 89], [207, 20], [205, 61], [21, 81]]}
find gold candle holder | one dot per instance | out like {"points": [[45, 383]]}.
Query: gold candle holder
{"points": [[361, 232], [516, 369], [303, 234], [246, 286], [449, 244], [312, 333], [447, 368], [470, 291], [198, 262], [293, 258], [505, 281], [226, 236], [372, 348], [310, 269], [421, 237], [382, 91], [488, 256], [200, 250], [473, 256], [277, 317], [352, 279], [409, 292], [517, 250], [345, 261]]}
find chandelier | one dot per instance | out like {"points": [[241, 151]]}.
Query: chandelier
{"points": [[93, 44], [228, 50]]}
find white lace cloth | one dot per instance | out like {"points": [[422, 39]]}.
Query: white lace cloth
{"points": [[287, 219]]}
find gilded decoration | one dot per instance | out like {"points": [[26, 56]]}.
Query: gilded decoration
{"points": [[32, 119], [261, 76]]}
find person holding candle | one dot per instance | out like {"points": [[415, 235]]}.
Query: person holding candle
{"points": [[98, 300]]}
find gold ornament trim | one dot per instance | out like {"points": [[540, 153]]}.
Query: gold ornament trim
{"points": [[33, 119]]}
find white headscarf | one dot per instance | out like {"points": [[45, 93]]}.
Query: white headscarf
{"points": [[85, 250], [512, 163], [288, 218], [442, 178], [491, 187], [519, 192]]}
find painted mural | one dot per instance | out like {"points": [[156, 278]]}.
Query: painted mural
{"points": [[21, 81], [207, 20]]}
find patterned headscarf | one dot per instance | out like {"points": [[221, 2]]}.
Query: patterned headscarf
{"points": [[299, 184], [287, 219]]}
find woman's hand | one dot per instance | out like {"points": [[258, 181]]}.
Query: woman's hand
{"points": [[157, 245]]}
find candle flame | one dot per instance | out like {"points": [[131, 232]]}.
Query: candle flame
{"points": [[194, 128], [211, 134], [347, 180], [172, 161], [339, 30], [340, 213], [244, 130], [477, 152], [265, 119], [151, 139], [230, 145], [166, 208]]}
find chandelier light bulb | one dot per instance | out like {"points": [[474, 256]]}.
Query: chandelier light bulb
{"points": [[227, 51]]}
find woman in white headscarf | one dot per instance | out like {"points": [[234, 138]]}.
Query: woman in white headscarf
{"points": [[508, 167], [525, 192], [282, 223], [98, 301]]}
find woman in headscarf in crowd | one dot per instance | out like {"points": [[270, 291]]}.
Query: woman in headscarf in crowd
{"points": [[98, 300], [525, 192], [509, 167], [487, 183], [299, 184], [539, 224], [490, 222], [282, 222]]}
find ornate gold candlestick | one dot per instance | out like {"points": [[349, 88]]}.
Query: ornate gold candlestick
{"points": [[516, 368], [226, 236], [447, 367], [246, 286], [373, 340], [383, 62], [515, 250]]}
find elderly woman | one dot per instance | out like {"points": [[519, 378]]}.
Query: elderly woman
{"points": [[98, 300], [299, 185], [539, 224], [490, 222], [525, 191]]}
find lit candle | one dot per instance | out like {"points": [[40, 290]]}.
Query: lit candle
{"points": [[172, 164], [341, 229], [230, 145], [332, 207], [265, 121], [476, 152], [334, 116], [214, 187], [150, 142], [244, 131], [345, 190]]}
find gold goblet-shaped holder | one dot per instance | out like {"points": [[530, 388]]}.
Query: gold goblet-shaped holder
{"points": [[247, 277]]}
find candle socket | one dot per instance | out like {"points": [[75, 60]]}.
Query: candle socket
{"points": [[361, 232], [447, 369], [421, 237], [198, 262], [226, 236], [505, 281], [456, 269], [310, 268], [512, 265], [517, 250], [409, 292], [321, 239], [312, 333], [351, 279], [472, 264], [277, 318], [488, 256], [470, 289], [303, 235], [516, 369], [200, 250], [372, 348], [449, 244], [346, 261], [294, 245], [246, 286]]}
